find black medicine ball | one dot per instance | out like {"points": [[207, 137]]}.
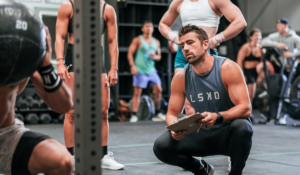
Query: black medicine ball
{"points": [[22, 42]]}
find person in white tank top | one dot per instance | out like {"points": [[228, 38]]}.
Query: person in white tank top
{"points": [[204, 14]]}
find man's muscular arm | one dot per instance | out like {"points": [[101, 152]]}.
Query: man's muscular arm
{"points": [[131, 50], [232, 78], [62, 23], [168, 19], [177, 98], [59, 100], [234, 15], [112, 34], [157, 55], [176, 103]]}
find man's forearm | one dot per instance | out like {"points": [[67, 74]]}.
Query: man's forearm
{"points": [[170, 119], [268, 42], [130, 59], [114, 54], [59, 101], [238, 112]]}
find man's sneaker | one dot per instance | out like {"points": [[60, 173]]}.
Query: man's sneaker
{"points": [[207, 169], [159, 117], [108, 162], [73, 161], [162, 116], [282, 120], [133, 118], [229, 164], [264, 94]]}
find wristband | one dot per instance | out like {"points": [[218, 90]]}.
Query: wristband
{"points": [[223, 37], [59, 59], [171, 36], [218, 39], [50, 79]]}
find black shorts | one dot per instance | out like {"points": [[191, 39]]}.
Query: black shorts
{"points": [[23, 152], [251, 75], [69, 59]]}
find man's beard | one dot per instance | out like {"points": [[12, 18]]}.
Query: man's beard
{"points": [[196, 59]]}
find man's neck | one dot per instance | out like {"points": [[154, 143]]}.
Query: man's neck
{"points": [[147, 36], [204, 66]]}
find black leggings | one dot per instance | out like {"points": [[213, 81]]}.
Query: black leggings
{"points": [[234, 140]]}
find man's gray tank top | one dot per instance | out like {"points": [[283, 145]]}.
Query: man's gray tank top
{"points": [[207, 92]]}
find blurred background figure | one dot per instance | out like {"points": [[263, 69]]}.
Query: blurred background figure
{"points": [[147, 50], [250, 60]]}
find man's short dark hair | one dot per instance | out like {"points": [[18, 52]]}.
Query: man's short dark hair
{"points": [[202, 35], [147, 21]]}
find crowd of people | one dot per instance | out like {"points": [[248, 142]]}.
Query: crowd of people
{"points": [[218, 88]]}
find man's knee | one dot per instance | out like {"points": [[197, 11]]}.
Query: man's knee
{"points": [[158, 90], [242, 127], [137, 93], [66, 164]]}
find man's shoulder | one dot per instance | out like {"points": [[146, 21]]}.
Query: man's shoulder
{"points": [[179, 76], [137, 39], [229, 65]]}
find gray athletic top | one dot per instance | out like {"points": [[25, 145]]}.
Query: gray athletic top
{"points": [[207, 92]]}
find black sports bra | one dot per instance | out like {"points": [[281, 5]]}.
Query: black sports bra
{"points": [[251, 57], [70, 26]]}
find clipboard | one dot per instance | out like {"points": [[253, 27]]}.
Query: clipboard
{"points": [[186, 124]]}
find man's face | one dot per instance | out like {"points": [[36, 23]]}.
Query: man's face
{"points": [[148, 28], [281, 27], [192, 48]]}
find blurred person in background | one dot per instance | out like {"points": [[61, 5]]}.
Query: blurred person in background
{"points": [[147, 50]]}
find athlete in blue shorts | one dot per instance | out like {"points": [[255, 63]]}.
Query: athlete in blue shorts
{"points": [[147, 50]]}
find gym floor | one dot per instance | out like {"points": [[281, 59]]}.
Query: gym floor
{"points": [[275, 150]]}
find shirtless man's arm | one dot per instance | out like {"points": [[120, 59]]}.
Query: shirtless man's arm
{"points": [[112, 34], [59, 101], [234, 83], [64, 14], [135, 44]]}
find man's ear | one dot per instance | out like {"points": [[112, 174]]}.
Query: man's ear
{"points": [[205, 44]]}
